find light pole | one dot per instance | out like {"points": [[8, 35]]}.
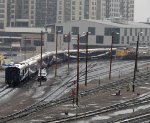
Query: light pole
{"points": [[77, 94], [136, 58], [68, 37], [86, 60], [41, 57], [25, 48], [112, 41], [56, 52]]}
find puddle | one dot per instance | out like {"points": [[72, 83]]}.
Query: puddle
{"points": [[69, 114], [100, 118], [143, 107], [92, 104], [122, 112]]}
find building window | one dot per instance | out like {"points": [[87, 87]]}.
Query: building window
{"points": [[38, 43], [91, 30], [116, 39], [122, 40], [128, 39], [50, 37], [143, 38], [145, 32], [147, 38], [99, 39], [130, 32], [73, 2], [75, 30], [27, 43], [135, 32], [132, 38], [83, 39], [125, 32], [60, 12], [60, 29], [108, 31]]}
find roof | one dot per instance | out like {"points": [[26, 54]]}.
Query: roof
{"points": [[115, 23], [121, 24]]}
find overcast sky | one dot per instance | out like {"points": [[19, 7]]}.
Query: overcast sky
{"points": [[142, 10]]}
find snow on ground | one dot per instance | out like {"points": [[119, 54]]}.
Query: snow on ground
{"points": [[9, 95]]}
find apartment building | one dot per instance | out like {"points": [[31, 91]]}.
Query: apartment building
{"points": [[32, 13], [69, 10], [37, 13], [120, 8], [3, 13]]}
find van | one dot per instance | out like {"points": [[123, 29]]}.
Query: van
{"points": [[42, 74]]}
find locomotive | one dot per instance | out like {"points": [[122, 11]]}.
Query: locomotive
{"points": [[25, 70], [130, 53]]}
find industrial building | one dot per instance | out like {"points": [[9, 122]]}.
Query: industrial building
{"points": [[125, 34]]}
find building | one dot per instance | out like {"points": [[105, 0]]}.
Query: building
{"points": [[69, 10], [31, 13], [120, 8], [22, 38], [3, 14], [37, 13], [100, 34]]}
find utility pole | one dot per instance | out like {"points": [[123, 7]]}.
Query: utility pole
{"points": [[41, 57], [77, 93], [86, 60], [136, 58]]}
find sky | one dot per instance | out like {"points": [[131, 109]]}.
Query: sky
{"points": [[142, 10]]}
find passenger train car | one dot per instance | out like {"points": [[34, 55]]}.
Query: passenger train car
{"points": [[24, 70]]}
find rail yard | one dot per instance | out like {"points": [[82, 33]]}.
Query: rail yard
{"points": [[102, 100]]}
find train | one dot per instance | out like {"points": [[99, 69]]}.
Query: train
{"points": [[129, 53], [25, 70]]}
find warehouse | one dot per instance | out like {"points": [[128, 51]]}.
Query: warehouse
{"points": [[125, 34]]}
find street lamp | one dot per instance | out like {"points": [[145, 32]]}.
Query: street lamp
{"points": [[68, 38], [77, 94], [25, 48], [41, 44], [136, 58], [56, 52], [41, 57], [112, 41]]}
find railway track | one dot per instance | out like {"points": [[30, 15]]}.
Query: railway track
{"points": [[3, 88], [5, 91], [41, 106], [115, 107], [139, 118]]}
